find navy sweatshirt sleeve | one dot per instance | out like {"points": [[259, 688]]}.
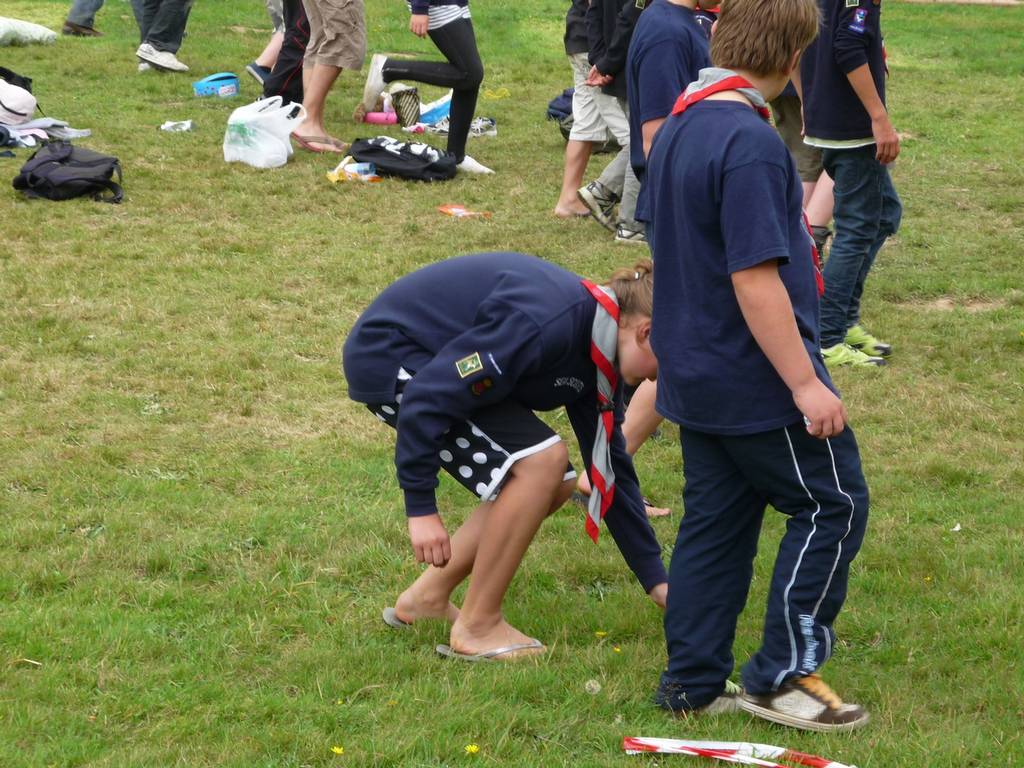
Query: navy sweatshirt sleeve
{"points": [[506, 345], [854, 34], [626, 519]]}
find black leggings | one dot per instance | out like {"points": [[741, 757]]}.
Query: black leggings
{"points": [[463, 73]]}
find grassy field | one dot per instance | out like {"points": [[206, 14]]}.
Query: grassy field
{"points": [[198, 529]]}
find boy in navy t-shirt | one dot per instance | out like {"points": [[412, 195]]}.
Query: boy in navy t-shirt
{"points": [[735, 329]]}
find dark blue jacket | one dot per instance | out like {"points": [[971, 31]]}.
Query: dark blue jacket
{"points": [[850, 37], [610, 26], [530, 323]]}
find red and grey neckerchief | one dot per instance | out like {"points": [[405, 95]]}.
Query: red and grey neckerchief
{"points": [[604, 339], [715, 80]]}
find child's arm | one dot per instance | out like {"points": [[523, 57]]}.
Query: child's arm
{"points": [[887, 141], [766, 307]]}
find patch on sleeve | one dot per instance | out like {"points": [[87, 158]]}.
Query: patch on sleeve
{"points": [[469, 365], [859, 17], [641, 4], [852, 3], [480, 386]]}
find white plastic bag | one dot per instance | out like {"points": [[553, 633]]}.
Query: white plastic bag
{"points": [[258, 134]]}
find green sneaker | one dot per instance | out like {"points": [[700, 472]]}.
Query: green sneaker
{"points": [[858, 338], [844, 354]]}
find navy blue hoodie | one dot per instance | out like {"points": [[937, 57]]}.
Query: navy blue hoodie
{"points": [[530, 322], [851, 36]]}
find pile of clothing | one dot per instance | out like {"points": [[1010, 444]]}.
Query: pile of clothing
{"points": [[18, 125]]}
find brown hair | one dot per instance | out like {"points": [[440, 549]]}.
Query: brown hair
{"points": [[634, 288], [761, 36]]}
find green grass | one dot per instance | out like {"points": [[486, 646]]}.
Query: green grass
{"points": [[198, 529]]}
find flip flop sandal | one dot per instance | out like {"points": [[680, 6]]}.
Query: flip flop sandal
{"points": [[392, 620], [307, 142], [492, 655]]}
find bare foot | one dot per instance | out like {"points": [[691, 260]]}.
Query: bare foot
{"points": [[411, 606], [316, 139], [653, 511], [570, 211], [501, 635]]}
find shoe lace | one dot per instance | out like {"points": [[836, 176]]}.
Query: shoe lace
{"points": [[819, 689]]}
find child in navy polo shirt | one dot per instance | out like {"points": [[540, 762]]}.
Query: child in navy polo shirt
{"points": [[457, 357], [736, 335], [842, 76]]}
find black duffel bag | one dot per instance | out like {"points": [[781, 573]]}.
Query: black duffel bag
{"points": [[60, 171], [404, 159]]}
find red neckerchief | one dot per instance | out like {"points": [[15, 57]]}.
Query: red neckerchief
{"points": [[602, 477], [733, 83]]}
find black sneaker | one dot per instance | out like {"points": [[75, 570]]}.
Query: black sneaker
{"points": [[806, 703], [672, 696], [600, 201], [259, 73]]}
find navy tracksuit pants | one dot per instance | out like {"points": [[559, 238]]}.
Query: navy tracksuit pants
{"points": [[730, 480]]}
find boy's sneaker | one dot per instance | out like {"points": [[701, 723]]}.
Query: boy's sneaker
{"points": [[160, 59], [374, 82], [624, 234], [844, 354], [79, 30], [806, 703], [259, 73], [858, 338], [600, 201], [672, 696]]}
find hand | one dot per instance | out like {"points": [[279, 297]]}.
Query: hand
{"points": [[596, 79], [887, 141], [659, 594], [824, 413], [430, 540], [419, 24]]}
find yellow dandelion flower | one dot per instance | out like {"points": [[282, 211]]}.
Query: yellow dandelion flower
{"points": [[616, 649], [600, 633], [338, 750], [472, 749], [340, 701]]}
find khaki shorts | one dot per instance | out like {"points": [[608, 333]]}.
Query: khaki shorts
{"points": [[594, 112], [786, 111], [337, 33]]}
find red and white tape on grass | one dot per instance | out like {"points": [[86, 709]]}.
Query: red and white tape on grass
{"points": [[741, 752]]}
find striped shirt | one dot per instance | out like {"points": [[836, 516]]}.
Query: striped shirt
{"points": [[443, 13]]}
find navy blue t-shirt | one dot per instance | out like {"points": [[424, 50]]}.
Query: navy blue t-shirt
{"points": [[725, 196], [526, 326], [668, 50]]}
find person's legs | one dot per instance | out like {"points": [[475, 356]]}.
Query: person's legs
{"points": [[83, 12], [710, 573], [317, 81], [577, 156], [642, 420], [166, 27], [286, 77], [268, 56], [587, 128], [463, 73], [889, 223], [858, 211], [819, 205], [534, 486], [819, 485]]}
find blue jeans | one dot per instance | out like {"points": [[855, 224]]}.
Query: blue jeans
{"points": [[867, 211], [83, 12]]}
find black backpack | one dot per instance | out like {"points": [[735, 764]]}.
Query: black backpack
{"points": [[406, 160], [60, 171], [15, 79]]}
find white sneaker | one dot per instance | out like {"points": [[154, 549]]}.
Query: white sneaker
{"points": [[469, 165], [160, 59], [374, 81], [144, 67]]}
